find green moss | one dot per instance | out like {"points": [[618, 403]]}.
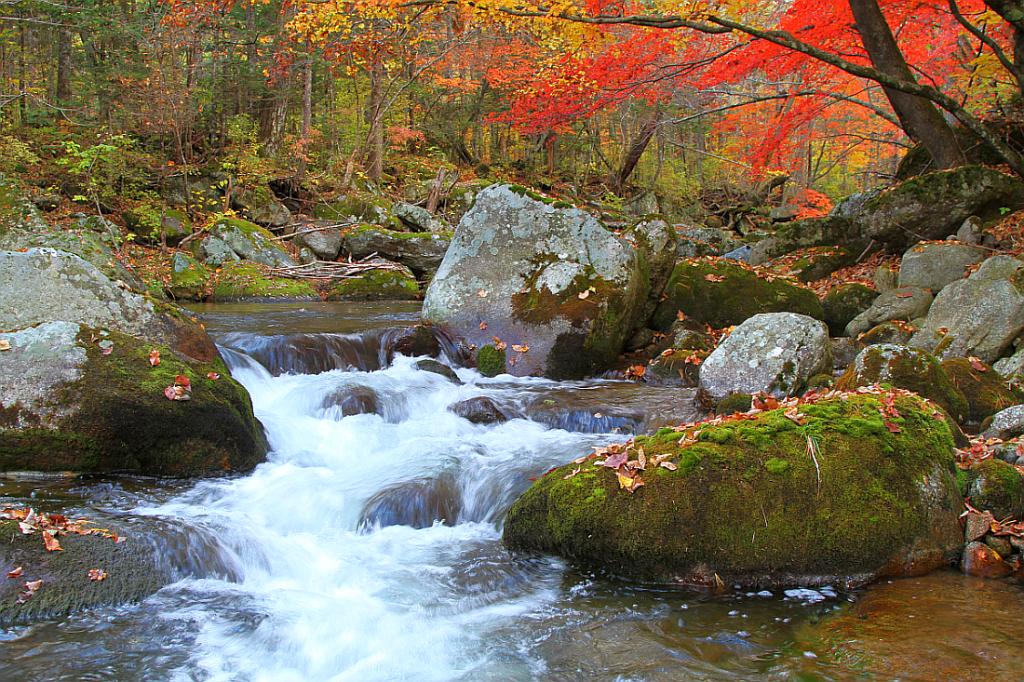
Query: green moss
{"points": [[755, 498], [739, 294], [844, 303], [126, 423], [376, 285], [248, 280], [731, 404], [986, 392], [490, 361], [997, 487], [360, 205]]}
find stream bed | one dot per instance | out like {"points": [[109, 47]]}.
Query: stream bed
{"points": [[324, 563]]}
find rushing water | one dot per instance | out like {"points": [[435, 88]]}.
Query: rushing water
{"points": [[297, 571]]}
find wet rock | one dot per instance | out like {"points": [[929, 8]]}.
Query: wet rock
{"points": [[934, 265], [707, 517], [418, 218], [479, 410], [721, 294], [417, 503], [395, 283], [416, 340], [353, 400], [86, 399], [231, 239], [904, 303], [773, 352], [978, 524], [435, 367], [1008, 423], [982, 561], [323, 241], [1000, 544], [997, 487], [420, 252], [617, 407], [908, 368], [844, 303], [979, 316], [44, 285], [541, 277]]}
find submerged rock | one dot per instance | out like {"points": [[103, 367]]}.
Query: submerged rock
{"points": [[419, 503], [839, 499], [560, 292], [479, 410], [774, 352]]}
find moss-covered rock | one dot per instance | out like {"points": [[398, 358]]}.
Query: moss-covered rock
{"points": [[723, 293], [893, 331], [233, 239], [732, 404], [839, 499], [997, 487], [490, 361], [844, 303], [157, 224], [987, 393], [89, 400], [377, 285], [130, 567], [190, 279], [906, 368], [362, 206], [239, 281], [810, 264]]}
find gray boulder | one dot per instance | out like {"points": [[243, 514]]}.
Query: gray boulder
{"points": [[318, 237], [934, 265], [979, 316], [772, 352], [231, 239], [420, 252], [418, 218], [202, 192], [972, 231], [693, 242], [560, 290], [1006, 424], [998, 267], [906, 303], [261, 207], [1012, 366]]}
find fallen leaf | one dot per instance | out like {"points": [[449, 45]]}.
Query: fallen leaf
{"points": [[51, 542], [624, 480], [5, 344], [977, 364], [183, 381], [904, 294], [212, 376], [668, 465], [892, 427], [482, 293], [97, 574], [154, 357], [170, 393], [714, 278], [521, 348], [483, 326], [570, 475], [584, 294], [15, 573]]}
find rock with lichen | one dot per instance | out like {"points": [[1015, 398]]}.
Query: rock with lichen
{"points": [[829, 494]]}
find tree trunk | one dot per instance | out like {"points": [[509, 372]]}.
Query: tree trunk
{"points": [[307, 115], [921, 120], [636, 150], [374, 153], [63, 67]]}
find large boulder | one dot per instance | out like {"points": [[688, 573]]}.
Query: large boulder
{"points": [[43, 285], [911, 369], [320, 237], [155, 224], [772, 352], [723, 292], [259, 205], [559, 291], [418, 218], [420, 252], [231, 239], [986, 392], [829, 493], [393, 283], [905, 304], [244, 281], [934, 265], [844, 303], [979, 316], [85, 399]]}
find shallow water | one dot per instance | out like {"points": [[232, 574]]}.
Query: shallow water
{"points": [[289, 574]]}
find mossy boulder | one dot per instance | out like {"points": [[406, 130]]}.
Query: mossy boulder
{"points": [[190, 279], [377, 285], [997, 487], [242, 281], [894, 331], [155, 224], [987, 393], [87, 399], [723, 293], [131, 569], [908, 368], [679, 365], [845, 302], [810, 264], [259, 205], [560, 289], [763, 501], [731, 404], [490, 361], [359, 206], [233, 239]]}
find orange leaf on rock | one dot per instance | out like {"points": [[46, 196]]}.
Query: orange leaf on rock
{"points": [[97, 574], [15, 573], [51, 542], [154, 357], [212, 376]]}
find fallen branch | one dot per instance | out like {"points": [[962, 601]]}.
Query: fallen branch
{"points": [[334, 270], [319, 228]]}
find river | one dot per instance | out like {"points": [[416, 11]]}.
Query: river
{"points": [[303, 569]]}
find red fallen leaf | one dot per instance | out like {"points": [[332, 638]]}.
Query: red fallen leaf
{"points": [[616, 460], [183, 381], [170, 393], [892, 427], [764, 402], [212, 376], [904, 294], [154, 357], [483, 326], [15, 573], [57, 519], [97, 574], [51, 542], [977, 364], [30, 589]]}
